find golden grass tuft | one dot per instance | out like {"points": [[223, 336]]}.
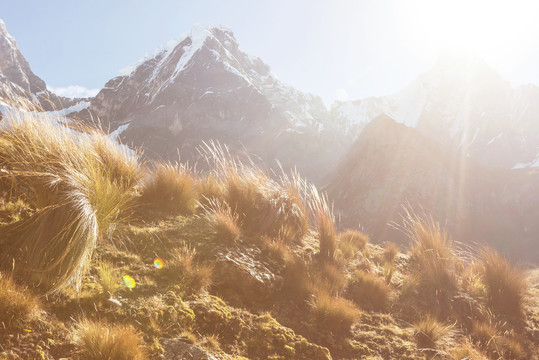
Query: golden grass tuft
{"points": [[298, 281], [329, 278], [263, 206], [505, 284], [109, 277], [433, 256], [170, 188], [222, 220], [17, 305], [209, 188], [182, 269], [497, 342], [429, 331], [368, 290], [390, 252], [100, 341], [327, 236], [352, 241], [82, 186], [334, 314], [466, 351]]}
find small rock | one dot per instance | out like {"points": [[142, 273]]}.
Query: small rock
{"points": [[114, 301]]}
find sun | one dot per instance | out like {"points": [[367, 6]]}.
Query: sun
{"points": [[484, 27]]}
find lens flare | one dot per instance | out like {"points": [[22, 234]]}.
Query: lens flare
{"points": [[158, 263], [129, 281]]}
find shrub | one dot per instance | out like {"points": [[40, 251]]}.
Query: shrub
{"points": [[334, 314], [352, 241], [368, 290], [17, 305], [100, 341], [429, 331], [505, 285], [170, 188], [82, 185], [182, 268]]}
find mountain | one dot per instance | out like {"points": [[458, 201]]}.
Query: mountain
{"points": [[391, 165], [464, 103], [13, 66], [18, 80], [203, 86]]}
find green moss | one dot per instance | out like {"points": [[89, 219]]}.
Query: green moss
{"points": [[261, 335]]}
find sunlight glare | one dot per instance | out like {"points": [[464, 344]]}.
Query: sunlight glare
{"points": [[482, 27]]}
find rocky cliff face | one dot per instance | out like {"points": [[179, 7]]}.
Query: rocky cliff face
{"points": [[464, 103], [202, 87], [391, 165], [14, 67], [18, 80]]}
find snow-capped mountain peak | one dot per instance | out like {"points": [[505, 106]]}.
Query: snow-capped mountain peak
{"points": [[462, 102]]}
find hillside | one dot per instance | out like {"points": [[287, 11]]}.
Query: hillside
{"points": [[391, 165], [107, 257]]}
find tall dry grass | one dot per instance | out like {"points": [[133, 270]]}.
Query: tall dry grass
{"points": [[429, 331], [433, 254], [170, 188], [324, 223], [505, 284], [333, 313], [263, 206], [81, 182], [224, 222], [100, 341], [17, 304], [368, 290], [192, 276]]}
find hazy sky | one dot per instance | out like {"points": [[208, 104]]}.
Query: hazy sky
{"points": [[335, 49]]}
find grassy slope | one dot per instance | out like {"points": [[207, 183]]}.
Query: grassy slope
{"points": [[253, 267], [197, 317]]}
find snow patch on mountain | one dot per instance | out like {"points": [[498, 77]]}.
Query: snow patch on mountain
{"points": [[198, 34], [7, 36], [495, 138], [531, 164], [81, 105], [115, 135]]}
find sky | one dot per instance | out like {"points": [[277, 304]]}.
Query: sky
{"points": [[339, 49]]}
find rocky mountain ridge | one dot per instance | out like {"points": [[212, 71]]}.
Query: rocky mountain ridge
{"points": [[202, 87], [391, 167], [18, 80], [463, 103]]}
